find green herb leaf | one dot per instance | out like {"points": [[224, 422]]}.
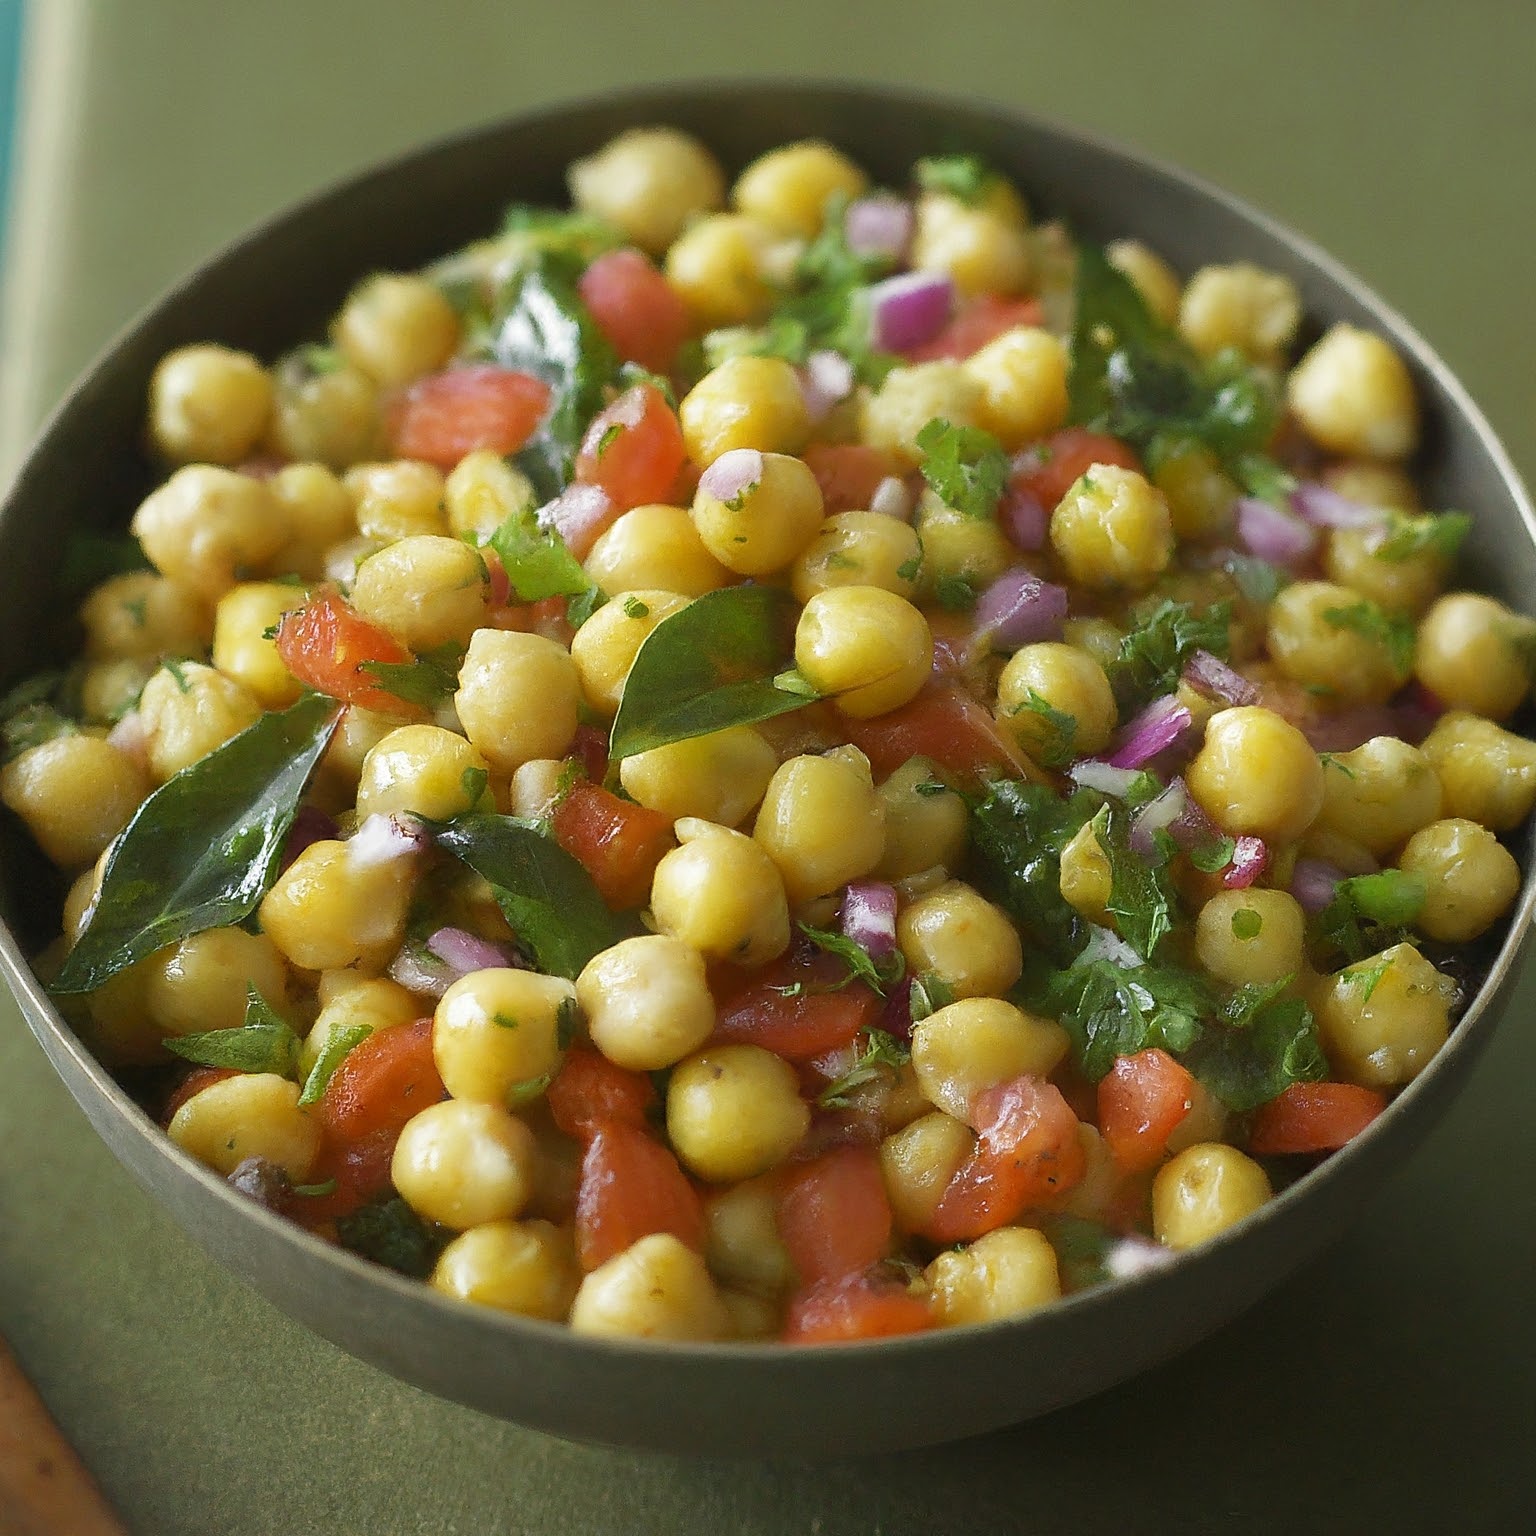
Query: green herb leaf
{"points": [[1394, 632], [338, 1047], [1260, 476], [966, 177], [1213, 856], [1368, 913], [955, 594], [635, 609], [536, 560], [474, 782], [862, 966], [1153, 655], [1366, 977], [1438, 535], [203, 850], [927, 994], [1258, 580], [1059, 745], [780, 337], [1141, 896], [710, 665], [965, 466], [391, 1234], [90, 558], [29, 715], [882, 1053], [1261, 1043], [562, 232], [1246, 924], [427, 681], [263, 1043]]}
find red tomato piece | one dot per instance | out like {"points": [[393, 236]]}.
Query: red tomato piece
{"points": [[619, 843], [1313, 1117], [1141, 1101], [631, 1186], [1027, 1150], [849, 473], [636, 308], [590, 749], [982, 320], [327, 644], [194, 1082], [381, 1083], [590, 1091], [946, 724], [633, 449], [834, 1215], [361, 1170], [856, 1307], [444, 416], [1049, 471], [790, 1006]]}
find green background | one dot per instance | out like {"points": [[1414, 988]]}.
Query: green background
{"points": [[1390, 1386]]}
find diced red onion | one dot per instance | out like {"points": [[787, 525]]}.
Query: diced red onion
{"points": [[881, 224], [868, 917], [1265, 530], [576, 512], [1191, 826], [1095, 773], [892, 499], [1211, 676], [896, 1016], [733, 473], [1250, 858], [825, 381], [465, 951], [131, 737], [1106, 944], [417, 971], [1021, 609], [1325, 508], [1023, 519], [1313, 883], [310, 825], [908, 310], [381, 838], [1158, 815], [1161, 725]]}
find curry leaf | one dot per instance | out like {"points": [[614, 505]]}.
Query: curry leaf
{"points": [[392, 1234], [337, 1048], [263, 1043]]}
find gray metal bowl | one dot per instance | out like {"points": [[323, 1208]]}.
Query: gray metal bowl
{"points": [[278, 286]]}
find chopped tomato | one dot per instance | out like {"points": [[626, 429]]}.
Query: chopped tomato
{"points": [[856, 1307], [1313, 1117], [849, 473], [590, 1091], [444, 416], [194, 1082], [982, 320], [636, 308], [581, 514], [328, 645], [590, 749], [1142, 1100], [947, 725], [1048, 471], [546, 617], [619, 843], [382, 1082], [631, 1186], [361, 1170], [1027, 1150], [834, 1215], [796, 1006], [633, 449]]}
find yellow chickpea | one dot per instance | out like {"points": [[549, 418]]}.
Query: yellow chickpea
{"points": [[1329, 637], [482, 491], [1354, 558], [141, 614], [654, 547], [721, 893], [747, 402], [75, 793], [1373, 484], [526, 1267], [367, 1003], [1379, 794], [1086, 880], [319, 513], [358, 732], [742, 1243], [428, 591], [984, 249], [958, 547], [1206, 1189], [647, 1002], [926, 826], [1151, 276], [1201, 495], [821, 822], [330, 417], [1488, 774], [1472, 878], [909, 398], [425, 770], [757, 511], [1006, 1273], [254, 1114], [518, 697], [396, 327], [605, 647], [397, 498], [202, 981], [242, 650], [788, 188], [1113, 529], [1353, 394], [1256, 774], [958, 935], [110, 689], [648, 182], [1023, 379], [718, 777], [658, 1288], [334, 907], [208, 405], [1473, 653], [858, 549], [1099, 637], [865, 648], [969, 1046], [1255, 935], [734, 1111], [1382, 1020], [496, 1034], [722, 266], [1243, 307], [464, 1163], [188, 710], [1055, 701], [206, 527], [918, 1161]]}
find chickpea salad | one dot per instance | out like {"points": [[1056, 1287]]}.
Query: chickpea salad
{"points": [[783, 759]]}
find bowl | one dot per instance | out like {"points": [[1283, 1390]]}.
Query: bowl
{"points": [[276, 287]]}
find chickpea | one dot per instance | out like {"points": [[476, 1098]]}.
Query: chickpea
{"points": [[518, 697], [649, 182], [923, 829], [1473, 653], [1472, 878], [1085, 878], [1207, 1188], [918, 1162], [1099, 637], [1056, 703], [80, 903], [911, 397], [482, 491], [1005, 1273], [858, 549], [962, 938], [750, 1317], [969, 1046], [425, 770], [396, 327], [1488, 774], [866, 648], [1373, 484], [958, 547], [1379, 794], [333, 908], [1023, 379], [1353, 558], [1113, 529], [329, 418], [428, 591], [1328, 637], [318, 512], [747, 402], [464, 1163], [985, 248], [1243, 307], [821, 822], [75, 793], [254, 1114], [1151, 277], [202, 981], [1201, 495], [110, 689], [788, 188], [188, 710], [208, 404], [1256, 774], [206, 527], [772, 511], [496, 1034], [605, 647], [1353, 394], [1381, 1021], [734, 1111], [742, 1242], [368, 1003], [358, 732], [141, 614], [241, 649], [647, 1002], [1255, 935], [717, 777], [654, 547], [657, 1288], [117, 1026], [721, 893], [527, 1267], [397, 499], [722, 267]]}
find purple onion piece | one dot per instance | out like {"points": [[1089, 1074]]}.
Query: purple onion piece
{"points": [[1325, 508], [896, 1016], [734, 473], [1131, 1256], [381, 838], [1191, 826], [1161, 725], [1211, 676], [881, 224], [464, 951], [1095, 773], [893, 498], [1021, 609], [577, 506], [1265, 530], [908, 310], [1158, 815], [310, 825], [825, 381], [1250, 858], [1313, 883], [265, 1182], [417, 971], [868, 917], [1023, 519]]}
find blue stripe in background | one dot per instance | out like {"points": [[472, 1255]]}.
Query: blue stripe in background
{"points": [[10, 58]]}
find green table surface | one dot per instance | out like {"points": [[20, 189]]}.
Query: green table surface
{"points": [[1391, 1385]]}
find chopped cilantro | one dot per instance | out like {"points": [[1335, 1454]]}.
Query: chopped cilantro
{"points": [[1439, 536], [527, 1090], [862, 966], [931, 787], [506, 1020], [1366, 977], [1246, 924], [966, 177], [1394, 632], [536, 560], [611, 435], [1258, 580], [882, 1052], [780, 337], [927, 994], [1141, 895], [955, 594], [635, 609], [321, 360], [631, 374], [1153, 655], [1332, 760], [908, 569], [737, 502], [29, 715], [1058, 746], [338, 1047], [473, 782], [1213, 856], [427, 682], [561, 232], [1260, 476], [567, 1019], [794, 681], [175, 666], [965, 466], [1368, 913]]}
